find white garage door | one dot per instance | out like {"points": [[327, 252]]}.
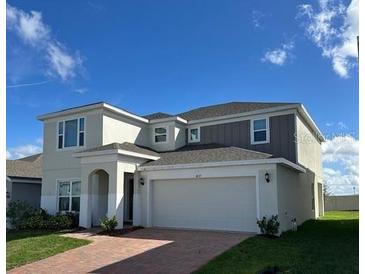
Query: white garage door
{"points": [[219, 204]]}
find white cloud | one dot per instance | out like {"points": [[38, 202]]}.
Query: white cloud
{"points": [[29, 26], [340, 147], [80, 90], [23, 151], [61, 62], [256, 18], [334, 29], [341, 164], [31, 29], [342, 125], [280, 55]]}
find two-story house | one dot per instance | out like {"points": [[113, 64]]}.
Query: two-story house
{"points": [[219, 167]]}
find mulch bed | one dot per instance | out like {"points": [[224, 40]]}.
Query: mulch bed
{"points": [[120, 232]]}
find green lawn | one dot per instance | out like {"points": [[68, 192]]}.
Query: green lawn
{"points": [[26, 247], [329, 245]]}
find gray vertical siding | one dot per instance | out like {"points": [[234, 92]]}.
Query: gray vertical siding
{"points": [[282, 136]]}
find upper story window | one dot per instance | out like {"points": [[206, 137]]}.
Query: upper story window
{"points": [[194, 135], [260, 133], [71, 133], [160, 135]]}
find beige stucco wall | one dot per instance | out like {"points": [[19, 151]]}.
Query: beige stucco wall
{"points": [[102, 128], [294, 197], [175, 136], [120, 129], [180, 138], [115, 166], [60, 164], [309, 155]]}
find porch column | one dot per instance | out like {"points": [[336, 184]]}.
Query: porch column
{"points": [[149, 202], [116, 194], [85, 200], [137, 207]]}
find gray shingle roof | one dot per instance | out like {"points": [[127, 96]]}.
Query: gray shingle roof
{"points": [[124, 146], [205, 154], [157, 115], [226, 109], [32, 158], [29, 167]]}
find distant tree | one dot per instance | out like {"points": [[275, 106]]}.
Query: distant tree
{"points": [[326, 190]]}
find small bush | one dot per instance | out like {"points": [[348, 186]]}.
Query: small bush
{"points": [[58, 222], [24, 217], [109, 224], [18, 213], [74, 217], [269, 226]]}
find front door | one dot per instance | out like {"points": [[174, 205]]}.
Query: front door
{"points": [[131, 191], [128, 197]]}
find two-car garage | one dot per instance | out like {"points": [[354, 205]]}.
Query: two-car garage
{"points": [[227, 203]]}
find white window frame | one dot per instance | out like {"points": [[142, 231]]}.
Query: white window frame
{"points": [[167, 135], [253, 131], [70, 196], [63, 133], [189, 135]]}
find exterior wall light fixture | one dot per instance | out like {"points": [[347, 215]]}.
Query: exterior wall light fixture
{"points": [[267, 177], [141, 181]]}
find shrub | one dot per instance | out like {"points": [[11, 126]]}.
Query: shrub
{"points": [[58, 222], [269, 226], [24, 217], [74, 216], [18, 212], [109, 224]]}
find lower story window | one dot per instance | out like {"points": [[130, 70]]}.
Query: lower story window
{"points": [[69, 192]]}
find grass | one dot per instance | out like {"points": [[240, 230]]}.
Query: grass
{"points": [[328, 245], [23, 247]]}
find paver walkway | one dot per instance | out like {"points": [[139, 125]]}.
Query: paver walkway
{"points": [[149, 250]]}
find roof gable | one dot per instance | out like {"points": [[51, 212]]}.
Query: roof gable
{"points": [[157, 115]]}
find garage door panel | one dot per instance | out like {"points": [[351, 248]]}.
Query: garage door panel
{"points": [[222, 204]]}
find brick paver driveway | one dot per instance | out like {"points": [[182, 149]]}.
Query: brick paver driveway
{"points": [[149, 250]]}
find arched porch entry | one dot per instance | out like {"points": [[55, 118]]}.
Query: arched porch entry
{"points": [[99, 189], [108, 185]]}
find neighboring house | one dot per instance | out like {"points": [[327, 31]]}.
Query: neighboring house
{"points": [[24, 180], [344, 202], [219, 167]]}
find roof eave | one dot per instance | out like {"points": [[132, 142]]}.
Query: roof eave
{"points": [[168, 119], [282, 161], [115, 152], [104, 106], [302, 110]]}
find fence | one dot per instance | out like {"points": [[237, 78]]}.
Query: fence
{"points": [[350, 202]]}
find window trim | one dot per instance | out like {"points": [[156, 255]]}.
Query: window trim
{"points": [[253, 131], [154, 135], [63, 133], [189, 135], [70, 196]]}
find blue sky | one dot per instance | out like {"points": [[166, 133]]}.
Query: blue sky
{"points": [[171, 56]]}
